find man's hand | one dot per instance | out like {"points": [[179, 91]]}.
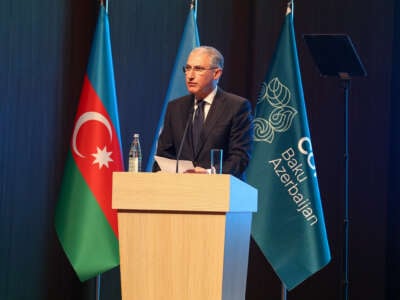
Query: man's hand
{"points": [[197, 170]]}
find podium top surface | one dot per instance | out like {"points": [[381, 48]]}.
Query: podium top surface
{"points": [[182, 192]]}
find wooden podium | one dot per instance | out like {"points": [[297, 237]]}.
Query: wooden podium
{"points": [[183, 236]]}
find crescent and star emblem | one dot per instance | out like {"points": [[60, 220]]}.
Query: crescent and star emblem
{"points": [[102, 157]]}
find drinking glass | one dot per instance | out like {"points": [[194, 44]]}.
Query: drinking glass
{"points": [[216, 161]]}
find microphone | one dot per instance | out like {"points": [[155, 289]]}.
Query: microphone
{"points": [[189, 120]]}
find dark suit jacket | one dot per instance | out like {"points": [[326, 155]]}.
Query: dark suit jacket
{"points": [[228, 126]]}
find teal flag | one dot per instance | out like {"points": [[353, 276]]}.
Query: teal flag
{"points": [[177, 86], [289, 226]]}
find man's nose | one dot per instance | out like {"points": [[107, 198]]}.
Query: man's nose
{"points": [[190, 73]]}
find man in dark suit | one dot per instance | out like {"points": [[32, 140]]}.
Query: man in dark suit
{"points": [[213, 117]]}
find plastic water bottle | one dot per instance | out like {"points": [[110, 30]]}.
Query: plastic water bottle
{"points": [[135, 155]]}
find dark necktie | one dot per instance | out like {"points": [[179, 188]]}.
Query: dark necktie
{"points": [[198, 121]]}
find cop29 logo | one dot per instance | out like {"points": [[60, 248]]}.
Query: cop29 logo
{"points": [[278, 96]]}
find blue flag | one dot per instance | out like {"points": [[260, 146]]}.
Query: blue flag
{"points": [[289, 226], [177, 86]]}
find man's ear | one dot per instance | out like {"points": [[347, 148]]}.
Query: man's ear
{"points": [[217, 74]]}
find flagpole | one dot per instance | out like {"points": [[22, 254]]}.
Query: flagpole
{"points": [[98, 277], [290, 6], [283, 292], [98, 286]]}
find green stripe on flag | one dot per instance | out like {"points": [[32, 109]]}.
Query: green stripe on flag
{"points": [[82, 228]]}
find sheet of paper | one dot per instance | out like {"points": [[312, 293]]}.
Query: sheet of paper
{"points": [[169, 165]]}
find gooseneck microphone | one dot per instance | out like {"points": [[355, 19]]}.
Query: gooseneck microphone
{"points": [[178, 155]]}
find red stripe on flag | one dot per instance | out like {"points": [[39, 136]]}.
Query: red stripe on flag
{"points": [[96, 149]]}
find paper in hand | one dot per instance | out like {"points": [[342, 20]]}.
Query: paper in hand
{"points": [[169, 165]]}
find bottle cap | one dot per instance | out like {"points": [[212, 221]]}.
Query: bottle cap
{"points": [[136, 135]]}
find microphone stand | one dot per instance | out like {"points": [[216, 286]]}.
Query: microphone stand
{"points": [[178, 155]]}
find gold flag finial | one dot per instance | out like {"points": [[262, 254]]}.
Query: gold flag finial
{"points": [[289, 8], [193, 5], [105, 4]]}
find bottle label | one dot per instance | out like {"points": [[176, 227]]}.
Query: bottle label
{"points": [[134, 164]]}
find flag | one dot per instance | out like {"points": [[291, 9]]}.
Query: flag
{"points": [[177, 86], [289, 226], [85, 223]]}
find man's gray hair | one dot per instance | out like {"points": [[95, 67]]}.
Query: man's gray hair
{"points": [[216, 57]]}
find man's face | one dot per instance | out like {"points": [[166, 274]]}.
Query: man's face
{"points": [[201, 76]]}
